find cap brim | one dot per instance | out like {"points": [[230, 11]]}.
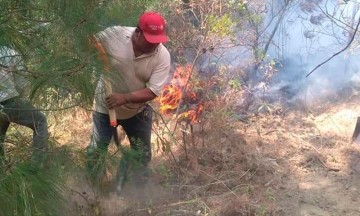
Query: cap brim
{"points": [[155, 38]]}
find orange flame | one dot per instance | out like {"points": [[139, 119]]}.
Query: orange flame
{"points": [[170, 98], [174, 92], [193, 115]]}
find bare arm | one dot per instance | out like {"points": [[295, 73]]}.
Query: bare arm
{"points": [[139, 96]]}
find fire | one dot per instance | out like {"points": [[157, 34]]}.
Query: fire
{"points": [[192, 115], [181, 75], [179, 93], [170, 98]]}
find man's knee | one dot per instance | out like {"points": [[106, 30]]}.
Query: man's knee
{"points": [[41, 126], [142, 147], [41, 119]]}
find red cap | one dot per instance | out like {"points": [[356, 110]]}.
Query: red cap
{"points": [[153, 27]]}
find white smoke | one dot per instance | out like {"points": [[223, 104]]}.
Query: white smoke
{"points": [[308, 37]]}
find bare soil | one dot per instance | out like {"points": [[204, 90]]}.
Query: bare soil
{"points": [[316, 163]]}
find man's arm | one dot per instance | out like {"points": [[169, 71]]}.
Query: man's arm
{"points": [[139, 96]]}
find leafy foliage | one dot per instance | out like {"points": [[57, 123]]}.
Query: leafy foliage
{"points": [[221, 26], [27, 191], [62, 69], [53, 38]]}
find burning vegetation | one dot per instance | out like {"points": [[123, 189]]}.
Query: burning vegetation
{"points": [[182, 97]]}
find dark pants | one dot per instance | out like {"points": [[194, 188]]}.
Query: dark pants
{"points": [[137, 128], [23, 113]]}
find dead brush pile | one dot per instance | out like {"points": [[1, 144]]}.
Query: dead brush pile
{"points": [[227, 174], [220, 167]]}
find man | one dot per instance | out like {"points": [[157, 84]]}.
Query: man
{"points": [[138, 68], [14, 109]]}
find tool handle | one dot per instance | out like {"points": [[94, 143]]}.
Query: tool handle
{"points": [[108, 88], [112, 113]]}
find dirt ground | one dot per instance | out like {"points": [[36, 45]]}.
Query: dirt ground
{"points": [[286, 163], [317, 165]]}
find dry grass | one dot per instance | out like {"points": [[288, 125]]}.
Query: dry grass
{"points": [[266, 164]]}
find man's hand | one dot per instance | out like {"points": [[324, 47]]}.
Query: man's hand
{"points": [[116, 100], [119, 99]]}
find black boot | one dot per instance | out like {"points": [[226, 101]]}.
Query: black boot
{"points": [[121, 175]]}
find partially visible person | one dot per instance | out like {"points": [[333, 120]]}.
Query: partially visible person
{"points": [[139, 66], [15, 109]]}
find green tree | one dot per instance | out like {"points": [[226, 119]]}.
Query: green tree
{"points": [[62, 69], [52, 37]]}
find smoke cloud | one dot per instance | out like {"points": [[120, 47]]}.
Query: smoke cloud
{"points": [[312, 32]]}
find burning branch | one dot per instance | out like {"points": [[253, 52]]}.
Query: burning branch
{"points": [[178, 92]]}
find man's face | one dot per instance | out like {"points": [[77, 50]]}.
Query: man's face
{"points": [[141, 44]]}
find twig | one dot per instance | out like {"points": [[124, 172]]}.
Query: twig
{"points": [[184, 144], [163, 141], [231, 191], [271, 131], [223, 182], [184, 89], [347, 46], [82, 195], [172, 204], [46, 110], [327, 167]]}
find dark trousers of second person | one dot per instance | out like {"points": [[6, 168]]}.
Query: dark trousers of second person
{"points": [[18, 111]]}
